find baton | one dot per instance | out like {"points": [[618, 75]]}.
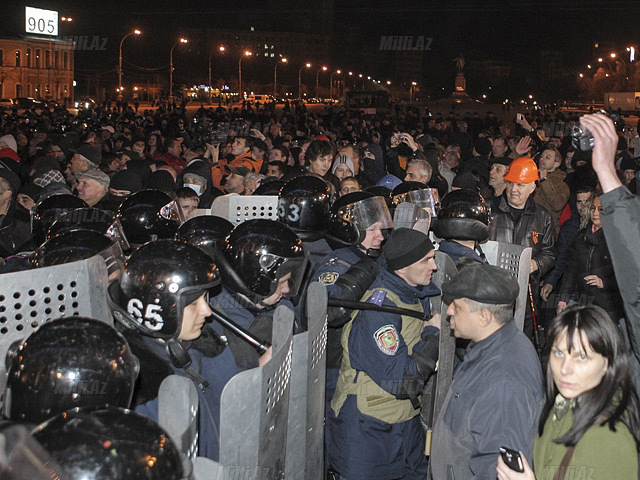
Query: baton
{"points": [[536, 338], [260, 345], [338, 302]]}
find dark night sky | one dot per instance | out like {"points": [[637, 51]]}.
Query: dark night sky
{"points": [[515, 31]]}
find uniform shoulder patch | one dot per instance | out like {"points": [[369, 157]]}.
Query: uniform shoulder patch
{"points": [[328, 278], [377, 297], [387, 339]]}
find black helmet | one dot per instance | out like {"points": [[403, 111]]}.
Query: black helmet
{"points": [[269, 188], [161, 278], [110, 443], [205, 231], [75, 245], [464, 216], [67, 363], [418, 194], [88, 218], [353, 213], [257, 253], [304, 205], [381, 191], [48, 211], [149, 215]]}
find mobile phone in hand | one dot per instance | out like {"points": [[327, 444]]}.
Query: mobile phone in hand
{"points": [[512, 459], [519, 117]]}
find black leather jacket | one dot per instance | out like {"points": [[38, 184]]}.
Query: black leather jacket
{"points": [[534, 229]]}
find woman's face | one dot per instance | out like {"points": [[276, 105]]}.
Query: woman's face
{"points": [[342, 171], [577, 371], [595, 211], [153, 140]]}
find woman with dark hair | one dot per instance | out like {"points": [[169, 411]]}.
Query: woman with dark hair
{"points": [[154, 147], [590, 425], [589, 269]]}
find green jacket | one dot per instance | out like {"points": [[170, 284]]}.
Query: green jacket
{"points": [[599, 455]]}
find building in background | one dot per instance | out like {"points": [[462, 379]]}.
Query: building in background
{"points": [[36, 67]]}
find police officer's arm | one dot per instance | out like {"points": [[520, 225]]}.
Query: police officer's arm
{"points": [[376, 346], [504, 415]]}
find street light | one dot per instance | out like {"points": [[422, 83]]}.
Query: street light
{"points": [[275, 76], [331, 82], [324, 69], [413, 86], [307, 65], [135, 32], [246, 53], [182, 40], [220, 49]]}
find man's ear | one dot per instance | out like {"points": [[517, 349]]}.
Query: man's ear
{"points": [[486, 317]]}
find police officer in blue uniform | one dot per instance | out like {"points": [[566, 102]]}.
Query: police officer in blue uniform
{"points": [[161, 301], [262, 264], [387, 358]]}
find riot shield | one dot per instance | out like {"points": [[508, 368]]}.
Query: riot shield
{"points": [[33, 297], [254, 410], [438, 385], [305, 432], [517, 260], [239, 208], [178, 413]]}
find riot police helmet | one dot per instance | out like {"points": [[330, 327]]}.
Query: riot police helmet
{"points": [[304, 205], [464, 216], [66, 363], [110, 443], [159, 280], [257, 254]]}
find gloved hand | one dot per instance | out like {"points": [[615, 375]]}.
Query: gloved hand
{"points": [[426, 356]]}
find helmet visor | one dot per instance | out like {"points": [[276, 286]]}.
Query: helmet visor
{"points": [[171, 211], [369, 211], [116, 233], [427, 198], [278, 267], [409, 215]]}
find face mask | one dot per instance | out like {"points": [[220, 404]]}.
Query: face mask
{"points": [[195, 188]]}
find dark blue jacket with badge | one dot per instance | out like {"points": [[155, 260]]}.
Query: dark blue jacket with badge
{"points": [[376, 432]]}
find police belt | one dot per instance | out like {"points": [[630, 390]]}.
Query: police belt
{"points": [[338, 302]]}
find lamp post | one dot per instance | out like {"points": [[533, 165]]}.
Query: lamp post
{"points": [[135, 32], [411, 90], [324, 69], [275, 76], [331, 86], [220, 49], [246, 53], [354, 80], [182, 40], [307, 65]]}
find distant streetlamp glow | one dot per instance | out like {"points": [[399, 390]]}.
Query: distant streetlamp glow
{"points": [[275, 76], [246, 53], [135, 32], [182, 41], [307, 65]]}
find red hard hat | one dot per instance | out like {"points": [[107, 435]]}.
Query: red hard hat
{"points": [[522, 170]]}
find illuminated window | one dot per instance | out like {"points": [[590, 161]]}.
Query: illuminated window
{"points": [[37, 58]]}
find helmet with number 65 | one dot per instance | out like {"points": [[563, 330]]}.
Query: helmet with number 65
{"points": [[159, 280]]}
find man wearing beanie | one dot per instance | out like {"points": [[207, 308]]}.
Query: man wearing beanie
{"points": [[497, 391], [387, 358]]}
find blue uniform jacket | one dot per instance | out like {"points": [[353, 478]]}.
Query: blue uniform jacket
{"points": [[455, 251], [217, 371], [363, 447]]}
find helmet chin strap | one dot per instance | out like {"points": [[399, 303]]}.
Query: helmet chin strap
{"points": [[373, 252], [180, 358]]}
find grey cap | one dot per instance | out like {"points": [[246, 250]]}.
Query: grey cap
{"points": [[95, 174], [482, 283]]}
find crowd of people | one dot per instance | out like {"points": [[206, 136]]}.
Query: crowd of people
{"points": [[138, 185]]}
